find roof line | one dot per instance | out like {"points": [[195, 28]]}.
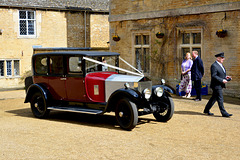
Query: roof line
{"points": [[67, 8], [84, 53], [204, 9], [70, 48]]}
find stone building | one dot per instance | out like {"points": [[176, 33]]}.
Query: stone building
{"points": [[187, 26], [27, 24]]}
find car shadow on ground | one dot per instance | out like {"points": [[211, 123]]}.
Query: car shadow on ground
{"points": [[102, 121]]}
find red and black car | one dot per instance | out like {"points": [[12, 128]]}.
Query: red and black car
{"points": [[93, 82]]}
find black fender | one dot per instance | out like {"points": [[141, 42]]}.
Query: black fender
{"points": [[132, 95], [166, 94], [28, 82], [37, 88]]}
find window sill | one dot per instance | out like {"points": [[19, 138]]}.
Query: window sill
{"points": [[11, 77], [27, 37]]}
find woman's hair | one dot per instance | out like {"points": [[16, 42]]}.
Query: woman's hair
{"points": [[188, 53]]}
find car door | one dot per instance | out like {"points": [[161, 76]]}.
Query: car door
{"points": [[75, 87], [57, 77]]}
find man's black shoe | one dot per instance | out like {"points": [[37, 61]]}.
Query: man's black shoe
{"points": [[208, 113], [196, 100], [227, 115]]}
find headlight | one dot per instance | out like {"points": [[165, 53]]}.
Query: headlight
{"points": [[163, 81], [147, 93], [158, 91]]}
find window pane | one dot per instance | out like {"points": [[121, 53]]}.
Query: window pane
{"points": [[196, 38], [138, 40], [41, 65], [22, 15], [111, 61], [186, 38], [30, 15], [199, 51], [27, 23], [138, 58], [23, 27], [31, 27], [56, 65], [142, 54], [91, 66], [145, 39], [146, 59], [1, 68], [9, 68], [184, 52], [75, 65], [16, 67]]}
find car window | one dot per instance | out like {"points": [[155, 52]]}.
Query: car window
{"points": [[56, 65], [111, 60], [41, 65], [75, 65]]}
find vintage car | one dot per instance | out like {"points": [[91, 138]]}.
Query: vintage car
{"points": [[92, 82]]}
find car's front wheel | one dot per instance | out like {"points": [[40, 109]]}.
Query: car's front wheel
{"points": [[38, 106], [126, 114], [166, 110]]}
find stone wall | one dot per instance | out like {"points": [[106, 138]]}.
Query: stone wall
{"points": [[167, 47], [76, 29], [51, 32], [125, 7], [99, 30], [59, 23]]}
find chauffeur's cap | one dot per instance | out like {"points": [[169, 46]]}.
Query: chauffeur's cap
{"points": [[220, 55]]}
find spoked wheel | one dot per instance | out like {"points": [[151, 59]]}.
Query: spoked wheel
{"points": [[126, 114], [38, 106], [166, 111]]}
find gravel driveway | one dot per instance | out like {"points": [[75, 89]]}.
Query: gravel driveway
{"points": [[188, 135]]}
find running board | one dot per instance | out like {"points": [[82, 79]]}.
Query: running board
{"points": [[76, 109]]}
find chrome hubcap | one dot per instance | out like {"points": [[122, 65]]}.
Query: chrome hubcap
{"points": [[36, 105], [120, 114]]}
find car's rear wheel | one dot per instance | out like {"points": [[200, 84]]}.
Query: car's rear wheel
{"points": [[126, 114], [166, 110], [38, 106]]}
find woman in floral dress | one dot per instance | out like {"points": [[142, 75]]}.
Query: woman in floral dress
{"points": [[186, 82]]}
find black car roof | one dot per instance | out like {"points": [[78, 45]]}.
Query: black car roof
{"points": [[80, 53]]}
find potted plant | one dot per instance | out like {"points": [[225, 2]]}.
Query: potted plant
{"points": [[159, 35], [221, 33], [116, 38]]}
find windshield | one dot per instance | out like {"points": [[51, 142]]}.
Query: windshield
{"points": [[93, 67]]}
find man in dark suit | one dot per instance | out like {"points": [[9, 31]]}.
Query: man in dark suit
{"points": [[197, 72], [218, 81]]}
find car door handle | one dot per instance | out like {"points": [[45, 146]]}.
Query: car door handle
{"points": [[63, 79]]}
